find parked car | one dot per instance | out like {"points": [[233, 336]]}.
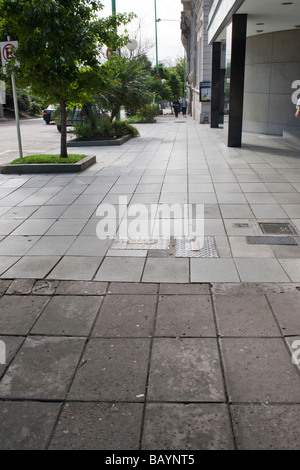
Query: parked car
{"points": [[47, 113]]}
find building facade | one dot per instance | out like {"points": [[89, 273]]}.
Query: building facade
{"points": [[254, 49], [199, 55]]}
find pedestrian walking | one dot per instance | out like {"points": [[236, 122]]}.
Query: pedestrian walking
{"points": [[183, 105], [176, 106]]}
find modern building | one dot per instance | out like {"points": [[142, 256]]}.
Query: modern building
{"points": [[255, 51]]}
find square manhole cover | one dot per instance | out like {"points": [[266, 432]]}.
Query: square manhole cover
{"points": [[276, 228]]}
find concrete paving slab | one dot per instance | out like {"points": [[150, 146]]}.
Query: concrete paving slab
{"points": [[27, 425], [208, 426], [260, 270], [185, 316], [249, 370], [79, 268], [244, 315], [266, 427], [126, 316], [98, 426], [42, 369], [185, 369], [35, 267], [166, 270], [112, 369], [68, 316], [120, 269], [213, 270], [81, 288], [292, 268], [286, 310]]}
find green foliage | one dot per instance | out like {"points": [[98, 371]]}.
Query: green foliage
{"points": [[27, 103], [146, 113], [105, 129], [59, 47], [31, 159], [127, 84]]}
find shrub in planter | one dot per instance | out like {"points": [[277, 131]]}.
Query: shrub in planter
{"points": [[105, 130], [149, 112]]}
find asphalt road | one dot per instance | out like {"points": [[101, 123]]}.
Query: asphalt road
{"points": [[36, 137]]}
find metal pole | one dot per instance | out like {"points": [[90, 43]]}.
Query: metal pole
{"points": [[13, 83], [114, 11], [156, 43]]}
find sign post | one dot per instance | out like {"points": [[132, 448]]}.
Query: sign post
{"points": [[7, 53]]}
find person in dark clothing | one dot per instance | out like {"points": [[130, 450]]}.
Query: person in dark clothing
{"points": [[176, 106]]}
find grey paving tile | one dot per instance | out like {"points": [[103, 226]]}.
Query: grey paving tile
{"points": [[33, 227], [68, 316], [17, 245], [67, 227], [166, 270], [112, 370], [266, 427], [123, 269], [12, 344], [32, 424], [292, 268], [249, 371], [236, 211], [260, 198], [126, 316], [184, 289], [52, 245], [197, 320], [241, 249], [213, 270], [35, 267], [185, 370], [19, 212], [286, 310], [260, 270], [6, 262], [187, 427], [270, 211], [79, 268], [231, 198], [81, 288], [18, 314], [42, 369], [98, 426], [89, 246], [244, 315], [292, 210], [8, 226]]}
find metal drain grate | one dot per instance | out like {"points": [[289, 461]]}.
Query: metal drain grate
{"points": [[271, 241], [199, 247], [155, 244], [277, 228]]}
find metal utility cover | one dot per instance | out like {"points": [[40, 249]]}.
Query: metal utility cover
{"points": [[199, 247], [276, 228], [271, 241]]}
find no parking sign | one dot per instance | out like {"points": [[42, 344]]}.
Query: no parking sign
{"points": [[7, 49]]}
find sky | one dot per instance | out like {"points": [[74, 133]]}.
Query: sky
{"points": [[168, 32]]}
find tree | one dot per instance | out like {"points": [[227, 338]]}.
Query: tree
{"points": [[59, 45], [127, 84]]}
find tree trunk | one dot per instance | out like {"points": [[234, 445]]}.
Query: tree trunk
{"points": [[63, 137]]}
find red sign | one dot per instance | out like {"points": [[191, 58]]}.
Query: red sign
{"points": [[7, 52], [110, 53]]}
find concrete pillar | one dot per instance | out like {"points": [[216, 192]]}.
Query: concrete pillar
{"points": [[237, 79], [215, 85]]}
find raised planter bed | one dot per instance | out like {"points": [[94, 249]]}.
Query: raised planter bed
{"points": [[98, 143], [77, 167]]}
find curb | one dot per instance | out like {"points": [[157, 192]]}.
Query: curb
{"points": [[49, 167], [98, 143]]}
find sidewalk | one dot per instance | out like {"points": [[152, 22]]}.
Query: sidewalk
{"points": [[122, 348]]}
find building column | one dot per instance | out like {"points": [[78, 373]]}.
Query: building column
{"points": [[215, 85], [237, 79]]}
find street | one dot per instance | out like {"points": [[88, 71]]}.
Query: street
{"points": [[35, 134]]}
